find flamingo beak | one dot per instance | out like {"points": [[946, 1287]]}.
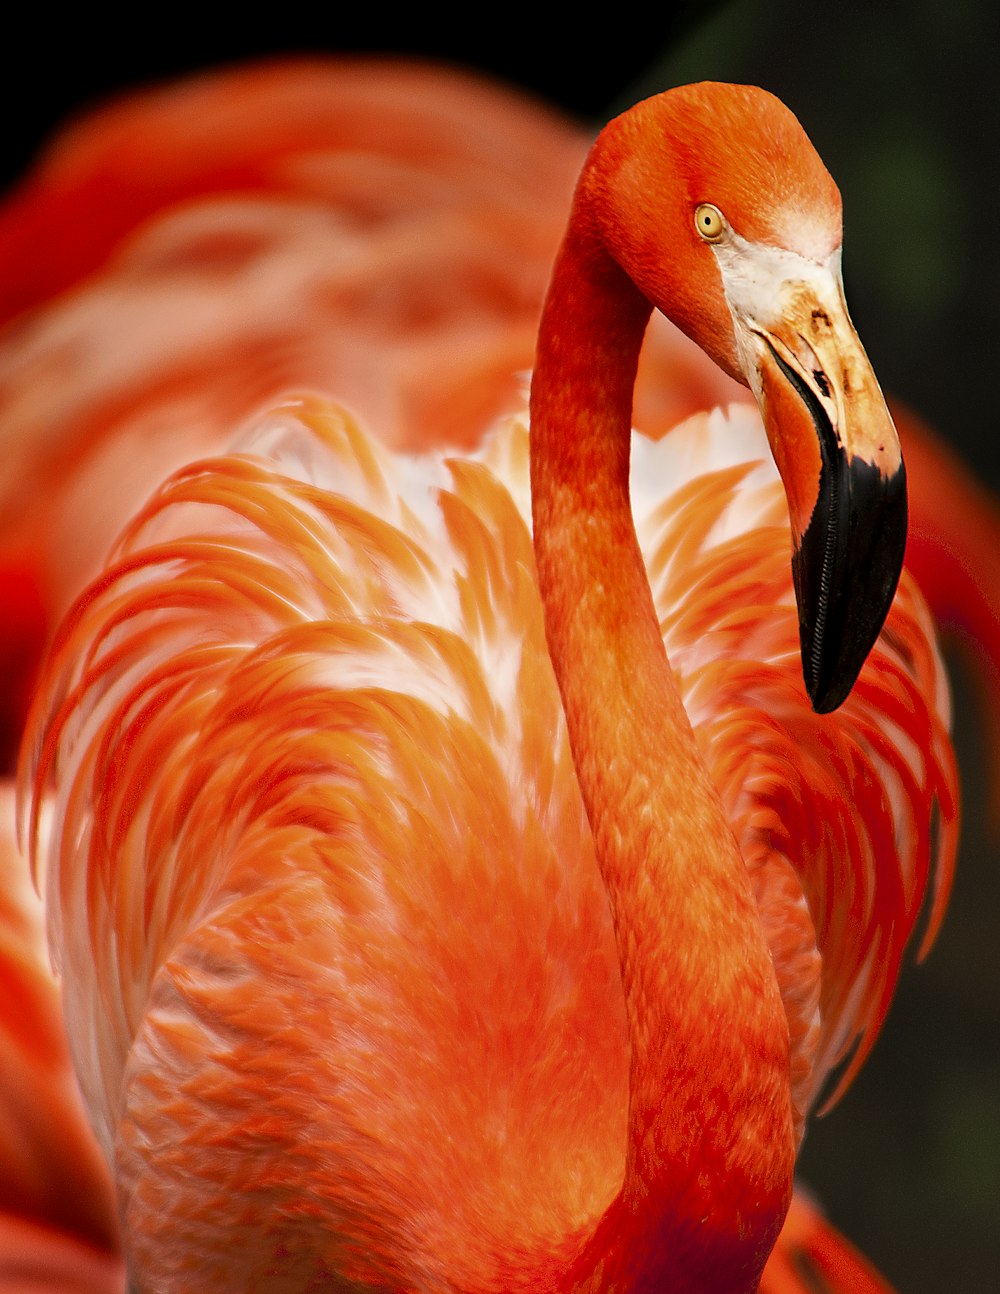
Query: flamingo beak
{"points": [[838, 454]]}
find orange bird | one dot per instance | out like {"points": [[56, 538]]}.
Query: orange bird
{"points": [[454, 884]]}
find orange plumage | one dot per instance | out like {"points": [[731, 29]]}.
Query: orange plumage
{"points": [[321, 751], [307, 644]]}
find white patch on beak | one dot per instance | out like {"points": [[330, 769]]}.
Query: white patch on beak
{"points": [[761, 284]]}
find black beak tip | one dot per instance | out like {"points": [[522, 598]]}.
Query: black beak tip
{"points": [[846, 570], [827, 695]]}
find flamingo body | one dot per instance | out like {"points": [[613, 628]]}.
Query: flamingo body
{"points": [[343, 899]]}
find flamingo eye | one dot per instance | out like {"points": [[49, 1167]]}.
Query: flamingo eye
{"points": [[710, 222]]}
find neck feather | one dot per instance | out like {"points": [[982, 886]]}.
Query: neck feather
{"points": [[710, 1149]]}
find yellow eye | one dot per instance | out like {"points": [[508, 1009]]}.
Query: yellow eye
{"points": [[710, 222]]}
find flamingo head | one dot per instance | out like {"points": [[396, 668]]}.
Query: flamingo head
{"points": [[715, 203]]}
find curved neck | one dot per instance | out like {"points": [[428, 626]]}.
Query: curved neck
{"points": [[710, 1146]]}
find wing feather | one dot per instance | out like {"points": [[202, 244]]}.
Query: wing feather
{"points": [[861, 806]]}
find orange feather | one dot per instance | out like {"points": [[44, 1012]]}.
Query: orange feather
{"points": [[812, 1256]]}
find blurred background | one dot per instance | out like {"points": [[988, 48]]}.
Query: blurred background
{"points": [[901, 103]]}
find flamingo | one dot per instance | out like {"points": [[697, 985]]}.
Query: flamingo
{"points": [[307, 723]]}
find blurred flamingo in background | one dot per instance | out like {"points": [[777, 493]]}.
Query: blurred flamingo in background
{"points": [[405, 366], [184, 257]]}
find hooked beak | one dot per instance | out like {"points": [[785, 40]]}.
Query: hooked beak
{"points": [[839, 457]]}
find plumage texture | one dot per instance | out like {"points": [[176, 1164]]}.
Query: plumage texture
{"points": [[316, 653]]}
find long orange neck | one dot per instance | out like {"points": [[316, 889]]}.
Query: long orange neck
{"points": [[710, 1150]]}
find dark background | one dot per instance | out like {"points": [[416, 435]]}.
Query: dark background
{"points": [[901, 101]]}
